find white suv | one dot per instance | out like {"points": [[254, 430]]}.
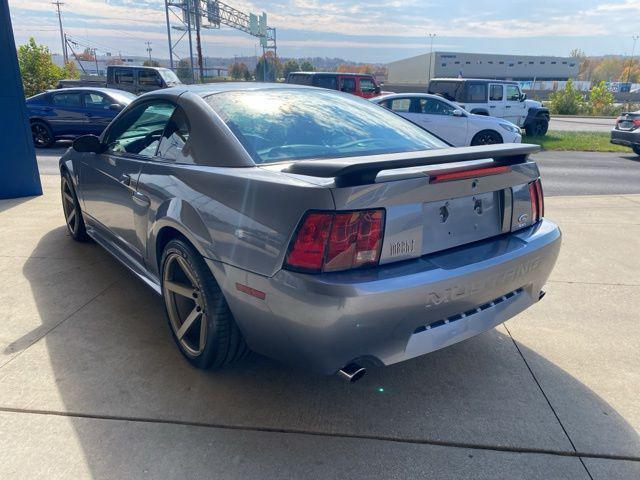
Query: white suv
{"points": [[498, 98], [449, 121]]}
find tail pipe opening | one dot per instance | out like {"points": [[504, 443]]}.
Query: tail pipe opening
{"points": [[352, 372]]}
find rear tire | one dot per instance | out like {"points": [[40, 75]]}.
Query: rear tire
{"points": [[199, 317], [636, 149], [71, 208], [486, 137], [42, 134]]}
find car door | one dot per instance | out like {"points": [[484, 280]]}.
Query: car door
{"points": [[109, 179], [438, 117], [148, 80], [67, 115], [366, 87], [98, 111], [496, 100], [515, 108]]}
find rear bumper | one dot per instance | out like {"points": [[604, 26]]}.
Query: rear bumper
{"points": [[394, 312], [626, 138]]}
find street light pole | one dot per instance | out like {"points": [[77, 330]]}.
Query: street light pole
{"points": [[431, 37], [633, 52]]}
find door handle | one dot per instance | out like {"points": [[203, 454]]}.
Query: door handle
{"points": [[125, 180], [141, 199]]}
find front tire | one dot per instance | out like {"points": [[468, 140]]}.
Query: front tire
{"points": [[71, 208], [538, 128], [636, 149], [42, 135], [200, 320], [486, 137]]}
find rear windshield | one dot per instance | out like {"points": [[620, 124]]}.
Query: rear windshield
{"points": [[294, 124], [453, 91]]}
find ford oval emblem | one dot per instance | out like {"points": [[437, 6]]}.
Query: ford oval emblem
{"points": [[523, 218]]}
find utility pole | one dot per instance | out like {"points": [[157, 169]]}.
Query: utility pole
{"points": [[58, 4], [188, 6], [198, 41], [431, 37], [149, 50], [95, 58], [166, 13]]}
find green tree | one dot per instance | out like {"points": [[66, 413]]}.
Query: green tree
{"points": [[608, 70], [239, 71], [307, 66], [184, 72], [150, 63], [601, 100], [38, 71], [291, 65], [70, 70], [273, 68], [567, 101]]}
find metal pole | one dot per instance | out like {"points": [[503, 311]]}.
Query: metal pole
{"points": [[95, 57], [431, 37], [633, 52], [65, 56], [166, 12], [149, 49], [188, 6], [264, 64]]}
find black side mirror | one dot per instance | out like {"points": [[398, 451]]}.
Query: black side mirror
{"points": [[87, 143], [116, 107], [523, 97], [377, 90]]}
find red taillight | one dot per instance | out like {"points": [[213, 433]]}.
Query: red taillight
{"points": [[537, 201], [331, 241], [462, 174], [636, 122]]}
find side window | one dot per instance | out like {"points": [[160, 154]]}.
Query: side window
{"points": [[401, 105], [299, 79], [96, 100], [367, 85], [140, 130], [149, 78], [67, 99], [495, 93], [477, 92], [175, 136], [123, 76], [326, 81], [348, 84], [513, 93], [435, 107]]}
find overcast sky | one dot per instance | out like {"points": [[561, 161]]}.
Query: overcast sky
{"points": [[360, 30]]}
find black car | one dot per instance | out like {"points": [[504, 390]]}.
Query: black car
{"points": [[627, 131], [72, 112]]}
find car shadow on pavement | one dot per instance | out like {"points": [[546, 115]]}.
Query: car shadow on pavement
{"points": [[113, 357]]}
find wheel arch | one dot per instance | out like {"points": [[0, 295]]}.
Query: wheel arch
{"points": [[487, 130]]}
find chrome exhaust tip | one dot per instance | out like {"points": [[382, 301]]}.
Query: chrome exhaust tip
{"points": [[541, 295], [352, 372]]}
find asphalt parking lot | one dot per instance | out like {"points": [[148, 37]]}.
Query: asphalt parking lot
{"points": [[91, 384]]}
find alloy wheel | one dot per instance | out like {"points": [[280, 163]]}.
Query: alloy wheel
{"points": [[487, 138], [41, 136], [185, 304], [69, 205]]}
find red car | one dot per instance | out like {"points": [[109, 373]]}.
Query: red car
{"points": [[361, 84]]}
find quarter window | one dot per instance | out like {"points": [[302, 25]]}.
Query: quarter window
{"points": [[139, 131], [477, 92], [149, 78], [175, 137], [495, 93]]}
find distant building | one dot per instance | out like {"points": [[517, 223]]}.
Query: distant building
{"points": [[415, 70]]}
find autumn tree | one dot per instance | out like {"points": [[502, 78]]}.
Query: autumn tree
{"points": [[600, 100], [150, 63], [273, 68], [239, 71], [87, 55], [307, 66]]}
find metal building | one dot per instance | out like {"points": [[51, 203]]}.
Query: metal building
{"points": [[417, 70]]}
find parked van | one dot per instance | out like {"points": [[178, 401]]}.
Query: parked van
{"points": [[134, 79], [361, 84]]}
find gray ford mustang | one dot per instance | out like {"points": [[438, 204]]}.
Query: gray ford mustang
{"points": [[309, 225]]}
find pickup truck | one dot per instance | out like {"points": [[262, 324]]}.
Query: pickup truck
{"points": [[137, 80]]}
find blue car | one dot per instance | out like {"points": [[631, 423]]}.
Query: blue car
{"points": [[72, 112]]}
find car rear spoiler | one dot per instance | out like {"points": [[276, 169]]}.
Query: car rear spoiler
{"points": [[363, 170]]}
